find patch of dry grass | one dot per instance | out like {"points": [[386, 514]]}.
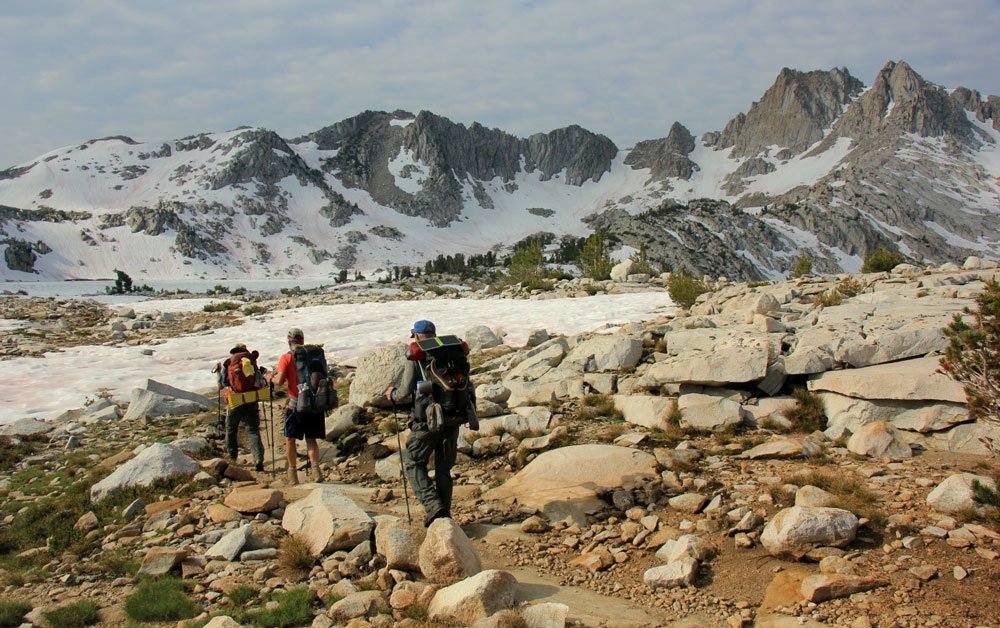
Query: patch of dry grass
{"points": [[808, 414], [599, 407], [294, 556], [851, 491]]}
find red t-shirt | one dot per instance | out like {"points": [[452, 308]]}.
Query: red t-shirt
{"points": [[286, 365]]}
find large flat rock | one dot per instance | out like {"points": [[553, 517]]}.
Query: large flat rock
{"points": [[573, 474], [910, 380], [712, 361]]}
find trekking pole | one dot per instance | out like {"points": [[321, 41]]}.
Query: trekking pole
{"points": [[402, 465], [270, 403], [218, 401]]}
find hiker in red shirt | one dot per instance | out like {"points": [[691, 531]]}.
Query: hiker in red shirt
{"points": [[298, 425]]}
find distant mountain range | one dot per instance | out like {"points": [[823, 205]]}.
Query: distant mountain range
{"points": [[820, 165]]}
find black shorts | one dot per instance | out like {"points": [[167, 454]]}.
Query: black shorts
{"points": [[299, 425]]}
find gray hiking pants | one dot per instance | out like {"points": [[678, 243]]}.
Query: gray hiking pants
{"points": [[247, 415], [420, 445]]}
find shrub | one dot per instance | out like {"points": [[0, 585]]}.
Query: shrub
{"points": [[641, 259], [13, 451], [251, 310], [538, 283], [808, 414], [829, 298], [684, 289], [77, 615], [989, 497], [116, 564], [882, 260], [803, 266], [160, 600], [849, 287], [416, 612], [293, 608], [12, 612], [223, 306], [973, 357]]}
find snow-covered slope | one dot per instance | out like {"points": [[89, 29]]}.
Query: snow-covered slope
{"points": [[819, 166]]}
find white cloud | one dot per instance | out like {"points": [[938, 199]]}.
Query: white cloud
{"points": [[627, 69]]}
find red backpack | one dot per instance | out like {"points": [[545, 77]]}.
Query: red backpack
{"points": [[242, 373]]}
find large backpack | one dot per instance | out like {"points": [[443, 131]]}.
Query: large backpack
{"points": [[447, 370], [244, 380], [316, 391]]}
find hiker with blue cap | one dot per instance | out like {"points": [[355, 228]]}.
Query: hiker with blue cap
{"points": [[436, 380]]}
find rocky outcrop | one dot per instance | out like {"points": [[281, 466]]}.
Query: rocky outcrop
{"points": [[20, 255], [701, 237], [448, 154], [666, 157]]}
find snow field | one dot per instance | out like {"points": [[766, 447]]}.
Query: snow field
{"points": [[45, 387]]}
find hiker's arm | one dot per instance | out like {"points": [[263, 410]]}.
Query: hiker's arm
{"points": [[404, 392], [277, 376]]}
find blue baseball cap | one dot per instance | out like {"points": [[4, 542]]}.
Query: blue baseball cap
{"points": [[422, 327]]}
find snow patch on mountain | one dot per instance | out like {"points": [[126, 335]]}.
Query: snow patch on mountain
{"points": [[803, 169], [408, 171]]}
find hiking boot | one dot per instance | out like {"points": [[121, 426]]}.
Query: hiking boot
{"points": [[293, 476], [259, 467], [439, 513], [315, 473]]}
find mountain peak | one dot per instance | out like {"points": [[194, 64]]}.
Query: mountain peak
{"points": [[793, 113]]}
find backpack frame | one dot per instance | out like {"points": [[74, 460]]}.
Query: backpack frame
{"points": [[450, 401]]}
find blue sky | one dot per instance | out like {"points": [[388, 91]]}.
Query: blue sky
{"points": [[75, 70]]}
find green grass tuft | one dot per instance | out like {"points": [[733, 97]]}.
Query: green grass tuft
{"points": [[294, 608], [12, 612], [76, 615], [242, 594], [161, 600]]}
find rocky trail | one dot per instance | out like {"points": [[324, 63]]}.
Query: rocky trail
{"points": [[654, 475]]}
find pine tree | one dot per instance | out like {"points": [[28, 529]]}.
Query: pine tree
{"points": [[973, 358], [526, 263], [595, 262]]}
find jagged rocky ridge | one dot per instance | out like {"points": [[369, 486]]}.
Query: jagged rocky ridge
{"points": [[821, 165]]}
